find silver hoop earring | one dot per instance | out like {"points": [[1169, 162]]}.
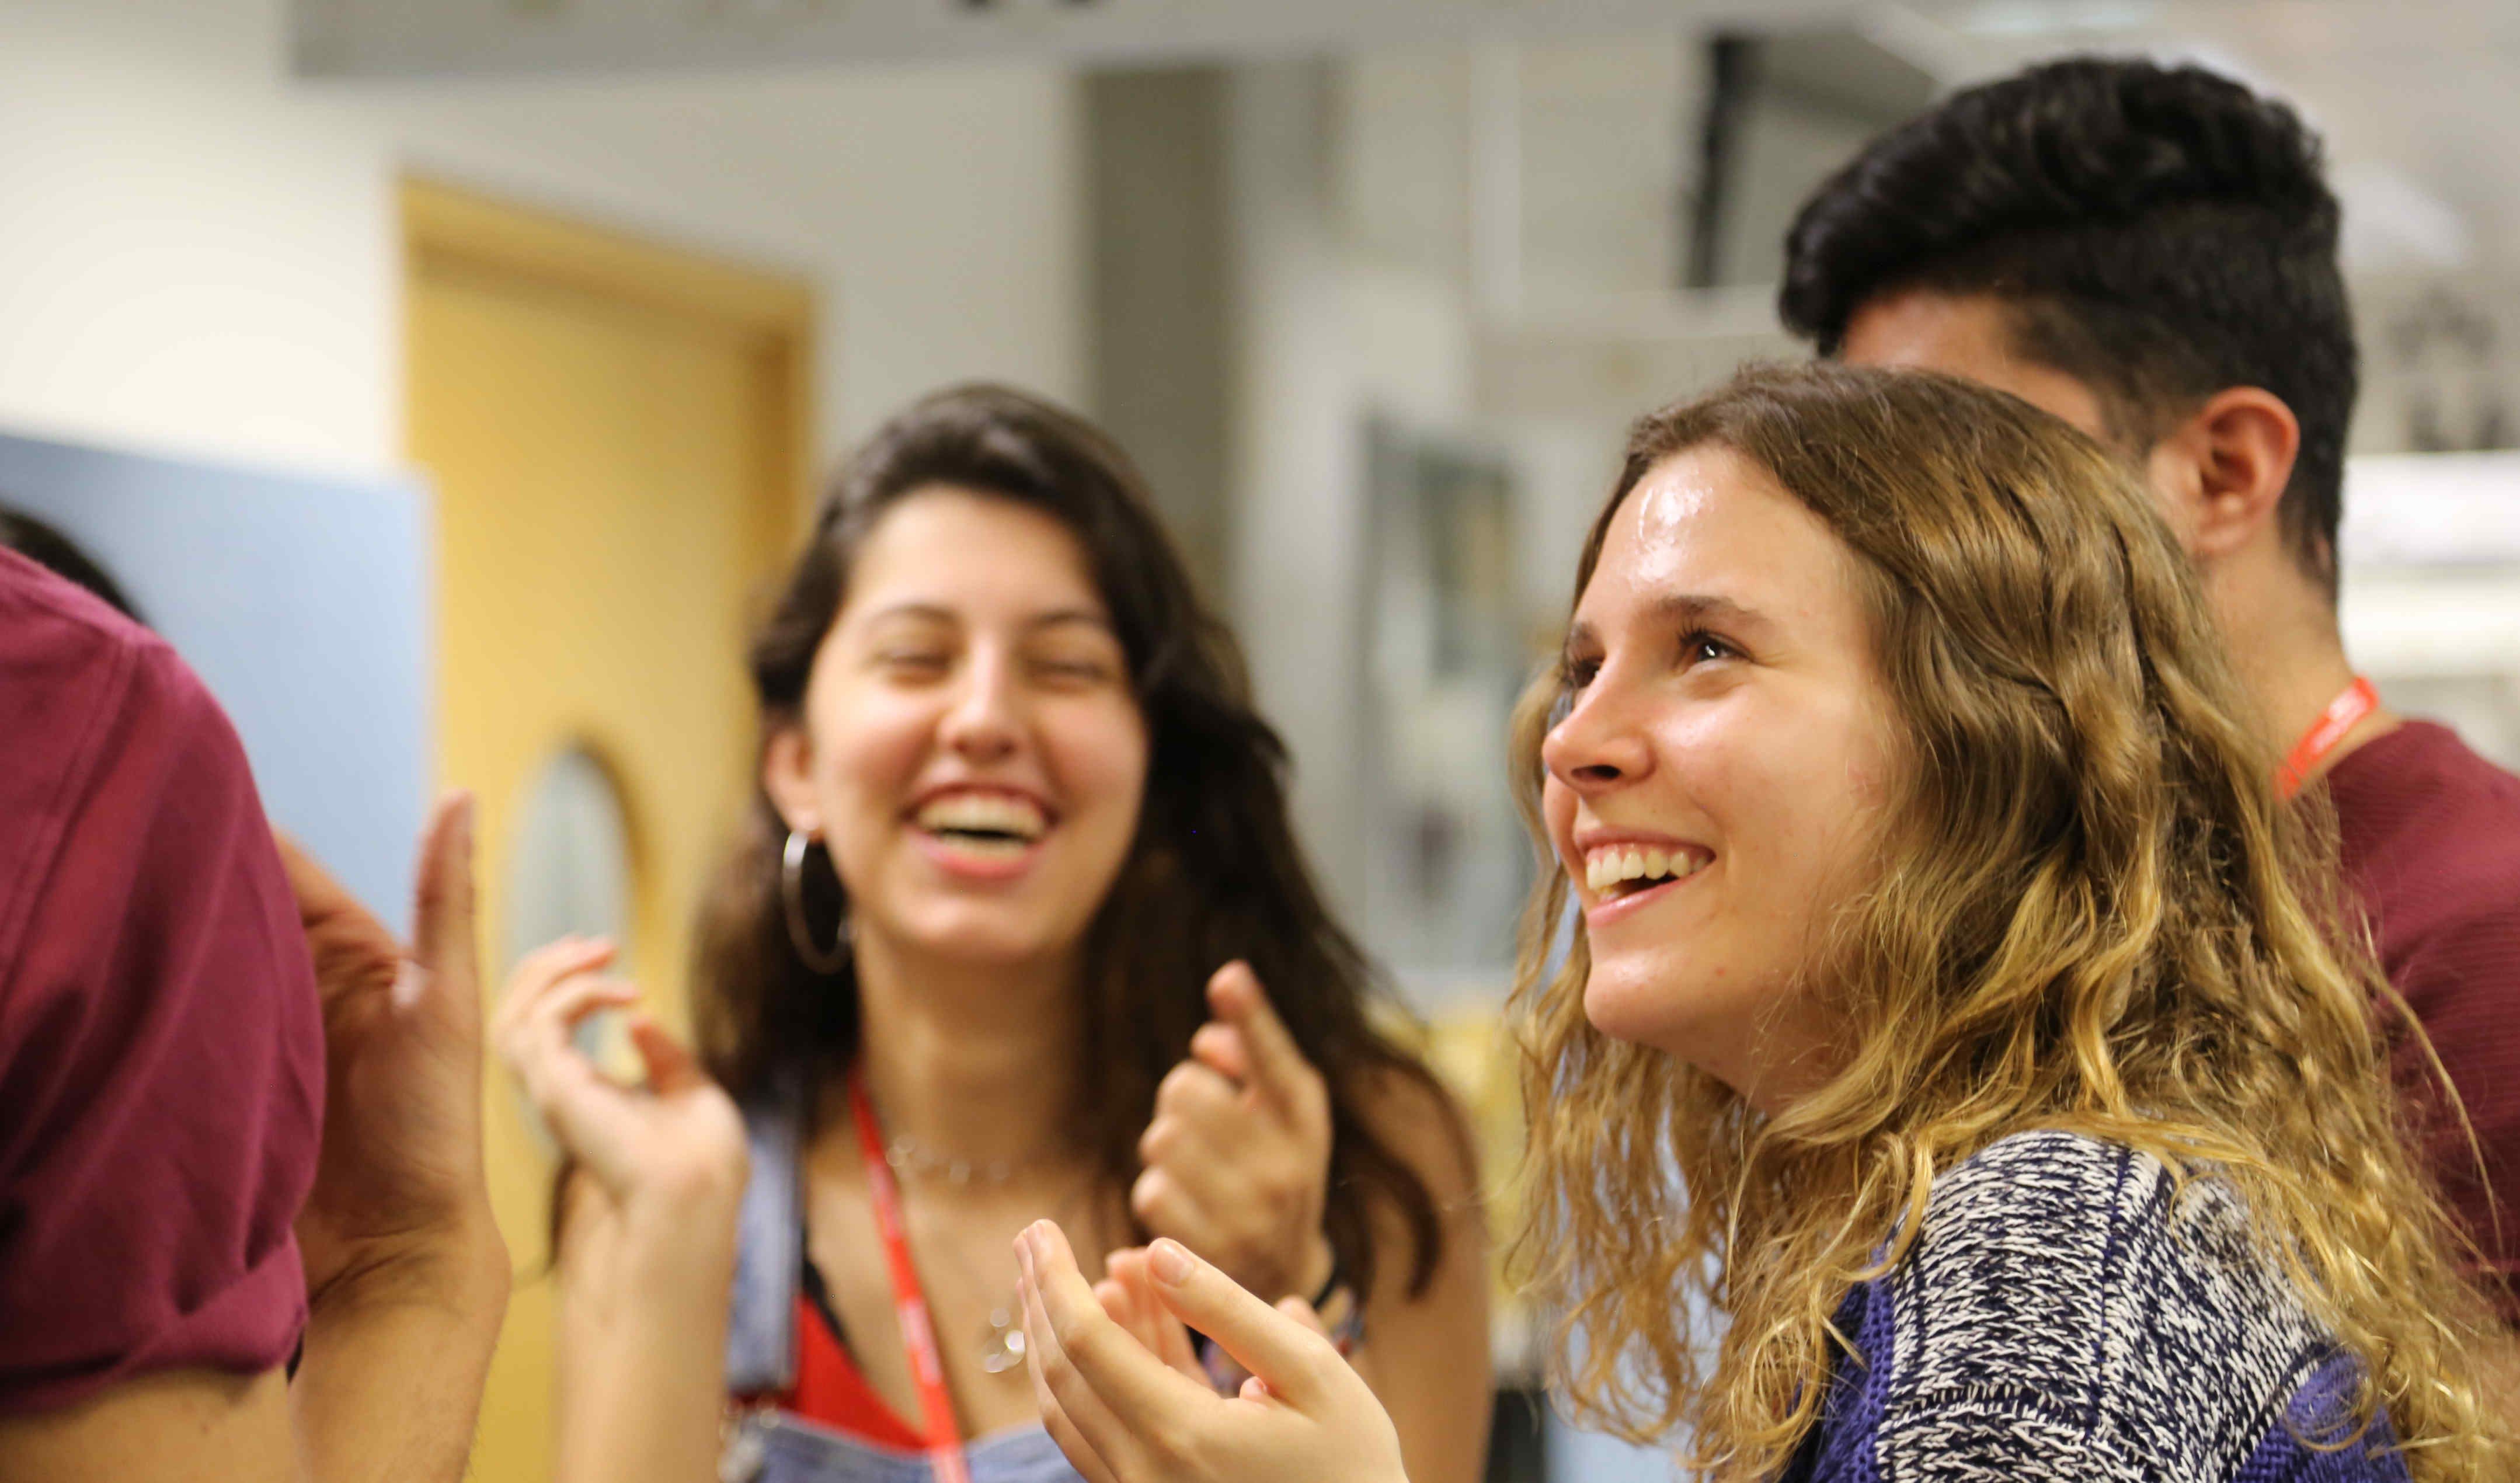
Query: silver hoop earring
{"points": [[791, 891]]}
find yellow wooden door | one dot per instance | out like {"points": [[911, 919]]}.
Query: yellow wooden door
{"points": [[615, 434]]}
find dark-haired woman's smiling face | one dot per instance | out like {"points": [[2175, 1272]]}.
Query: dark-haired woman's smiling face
{"points": [[972, 754], [1715, 780]]}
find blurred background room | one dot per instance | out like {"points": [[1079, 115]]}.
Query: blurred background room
{"points": [[444, 376]]}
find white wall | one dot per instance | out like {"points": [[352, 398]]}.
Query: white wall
{"points": [[198, 253]]}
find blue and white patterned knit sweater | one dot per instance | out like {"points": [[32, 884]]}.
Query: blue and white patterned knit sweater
{"points": [[2056, 1321]]}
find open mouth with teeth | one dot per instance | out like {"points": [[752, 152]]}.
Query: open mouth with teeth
{"points": [[1616, 872], [990, 825]]}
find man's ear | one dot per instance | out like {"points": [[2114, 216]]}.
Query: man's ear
{"points": [[2223, 471], [787, 776]]}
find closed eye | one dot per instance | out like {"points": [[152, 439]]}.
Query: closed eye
{"points": [[911, 658], [1074, 671]]}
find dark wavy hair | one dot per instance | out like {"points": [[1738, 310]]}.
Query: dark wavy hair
{"points": [[1214, 873], [2159, 233]]}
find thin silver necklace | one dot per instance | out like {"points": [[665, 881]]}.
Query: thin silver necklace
{"points": [[906, 1157]]}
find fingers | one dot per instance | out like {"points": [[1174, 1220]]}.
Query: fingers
{"points": [[542, 968], [1279, 1069], [1197, 1093], [1162, 1202], [1063, 1389], [1293, 1361], [540, 1041], [1219, 1046], [670, 1067], [1128, 1404], [1080, 1453], [589, 1115], [1305, 1313], [1131, 1301], [443, 945]]}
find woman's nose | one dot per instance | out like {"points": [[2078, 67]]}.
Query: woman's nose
{"points": [[1597, 745], [984, 723]]}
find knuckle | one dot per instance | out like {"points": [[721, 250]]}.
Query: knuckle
{"points": [[1178, 1084], [1076, 1335], [1174, 1444], [1057, 1372]]}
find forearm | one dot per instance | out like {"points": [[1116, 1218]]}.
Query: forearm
{"points": [[390, 1385], [643, 1352]]}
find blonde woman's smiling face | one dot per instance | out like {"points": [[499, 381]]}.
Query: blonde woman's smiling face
{"points": [[1717, 777]]}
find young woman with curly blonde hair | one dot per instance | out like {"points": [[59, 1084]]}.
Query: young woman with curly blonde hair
{"points": [[1937, 924]]}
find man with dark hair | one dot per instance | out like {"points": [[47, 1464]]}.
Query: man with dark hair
{"points": [[237, 1120], [2150, 253]]}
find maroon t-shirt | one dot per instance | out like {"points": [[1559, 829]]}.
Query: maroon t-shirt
{"points": [[161, 1055], [2430, 833]]}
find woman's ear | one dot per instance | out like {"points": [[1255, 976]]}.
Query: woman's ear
{"points": [[787, 776]]}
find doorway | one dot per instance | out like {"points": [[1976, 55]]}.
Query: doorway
{"points": [[618, 436]]}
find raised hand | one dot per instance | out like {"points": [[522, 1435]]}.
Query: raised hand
{"points": [[399, 1182], [1123, 1414], [653, 1149], [1236, 1160]]}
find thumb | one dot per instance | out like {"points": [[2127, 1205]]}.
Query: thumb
{"points": [[670, 1067], [1293, 1361], [442, 940]]}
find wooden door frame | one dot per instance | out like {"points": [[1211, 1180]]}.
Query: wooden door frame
{"points": [[457, 225]]}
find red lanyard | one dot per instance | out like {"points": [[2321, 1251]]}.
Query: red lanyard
{"points": [[2351, 705], [918, 1330]]}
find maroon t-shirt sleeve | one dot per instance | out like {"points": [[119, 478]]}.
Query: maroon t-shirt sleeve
{"points": [[160, 1044], [2431, 836]]}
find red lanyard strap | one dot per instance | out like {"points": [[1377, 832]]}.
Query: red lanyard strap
{"points": [[2351, 705], [917, 1329]]}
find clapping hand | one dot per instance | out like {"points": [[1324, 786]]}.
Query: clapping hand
{"points": [[1107, 1366], [1237, 1160]]}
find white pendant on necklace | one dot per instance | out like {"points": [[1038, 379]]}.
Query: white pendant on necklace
{"points": [[1003, 1348]]}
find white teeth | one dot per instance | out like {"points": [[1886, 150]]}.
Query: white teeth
{"points": [[1614, 863], [991, 813]]}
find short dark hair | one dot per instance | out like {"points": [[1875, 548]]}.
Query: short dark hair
{"points": [[2159, 233], [63, 557]]}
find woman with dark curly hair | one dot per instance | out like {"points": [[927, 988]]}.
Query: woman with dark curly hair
{"points": [[1020, 930]]}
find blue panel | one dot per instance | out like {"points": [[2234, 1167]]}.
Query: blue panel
{"points": [[303, 604]]}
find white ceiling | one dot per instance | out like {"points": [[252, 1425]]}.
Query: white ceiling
{"points": [[425, 37], [2419, 99]]}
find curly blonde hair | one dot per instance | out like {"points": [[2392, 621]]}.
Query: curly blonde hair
{"points": [[2091, 912]]}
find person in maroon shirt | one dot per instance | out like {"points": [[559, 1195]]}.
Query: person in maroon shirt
{"points": [[181, 1206], [2149, 252]]}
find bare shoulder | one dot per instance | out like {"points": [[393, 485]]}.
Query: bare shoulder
{"points": [[1413, 1114]]}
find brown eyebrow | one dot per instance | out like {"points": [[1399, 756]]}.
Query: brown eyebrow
{"points": [[1696, 607], [1678, 609], [929, 612]]}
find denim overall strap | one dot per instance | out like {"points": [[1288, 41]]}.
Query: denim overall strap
{"points": [[761, 1326]]}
